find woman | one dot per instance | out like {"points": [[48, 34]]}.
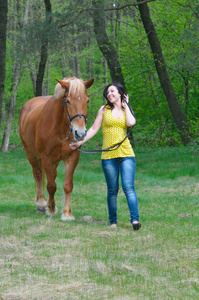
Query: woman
{"points": [[115, 117]]}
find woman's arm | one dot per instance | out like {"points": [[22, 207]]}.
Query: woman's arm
{"points": [[93, 129]]}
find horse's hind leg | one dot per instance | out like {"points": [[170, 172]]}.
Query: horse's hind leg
{"points": [[51, 173], [39, 179], [38, 173]]}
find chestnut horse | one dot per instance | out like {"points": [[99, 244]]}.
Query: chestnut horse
{"points": [[47, 123]]}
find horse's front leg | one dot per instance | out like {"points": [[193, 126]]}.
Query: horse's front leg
{"points": [[70, 166], [51, 174]]}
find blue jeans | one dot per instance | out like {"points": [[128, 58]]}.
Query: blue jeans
{"points": [[126, 167]]}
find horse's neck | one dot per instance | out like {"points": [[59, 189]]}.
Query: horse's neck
{"points": [[54, 106], [54, 112]]}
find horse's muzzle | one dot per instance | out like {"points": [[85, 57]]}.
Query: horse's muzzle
{"points": [[79, 135]]}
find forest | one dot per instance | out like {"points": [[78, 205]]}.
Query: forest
{"points": [[151, 47]]}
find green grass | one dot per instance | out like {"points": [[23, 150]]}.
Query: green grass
{"points": [[44, 258]]}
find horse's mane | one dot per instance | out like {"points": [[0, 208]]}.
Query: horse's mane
{"points": [[76, 88]]}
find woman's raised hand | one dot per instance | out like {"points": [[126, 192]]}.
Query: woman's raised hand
{"points": [[125, 99]]}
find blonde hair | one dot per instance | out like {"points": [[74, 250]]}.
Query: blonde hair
{"points": [[76, 88]]}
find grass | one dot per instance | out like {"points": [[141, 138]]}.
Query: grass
{"points": [[44, 258]]}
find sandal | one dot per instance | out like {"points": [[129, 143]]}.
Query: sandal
{"points": [[136, 226]]}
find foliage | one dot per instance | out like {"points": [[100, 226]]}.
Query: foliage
{"points": [[44, 258], [73, 51]]}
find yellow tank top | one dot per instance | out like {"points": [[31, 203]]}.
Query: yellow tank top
{"points": [[114, 131]]}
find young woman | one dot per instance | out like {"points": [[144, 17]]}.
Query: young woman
{"points": [[115, 117]]}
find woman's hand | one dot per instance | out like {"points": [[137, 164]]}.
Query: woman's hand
{"points": [[75, 145], [125, 99], [130, 117], [92, 131]]}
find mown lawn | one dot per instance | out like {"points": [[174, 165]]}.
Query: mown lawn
{"points": [[44, 258]]}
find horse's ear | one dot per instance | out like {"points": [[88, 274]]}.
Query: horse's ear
{"points": [[64, 84], [89, 83]]}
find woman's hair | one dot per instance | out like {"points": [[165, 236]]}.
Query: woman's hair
{"points": [[120, 89]]}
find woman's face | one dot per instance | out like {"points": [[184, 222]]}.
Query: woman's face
{"points": [[113, 94]]}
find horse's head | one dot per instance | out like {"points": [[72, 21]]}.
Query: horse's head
{"points": [[73, 92]]}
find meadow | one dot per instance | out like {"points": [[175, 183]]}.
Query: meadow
{"points": [[44, 258]]}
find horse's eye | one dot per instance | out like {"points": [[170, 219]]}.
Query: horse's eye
{"points": [[88, 101], [67, 101]]}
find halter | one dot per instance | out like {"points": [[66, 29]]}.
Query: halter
{"points": [[64, 100]]}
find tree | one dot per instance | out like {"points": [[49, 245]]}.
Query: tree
{"points": [[105, 45], [105, 39], [3, 29], [161, 68], [16, 70], [44, 49]]}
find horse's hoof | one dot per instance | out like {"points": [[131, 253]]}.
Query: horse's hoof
{"points": [[41, 210], [67, 218], [51, 213], [41, 207]]}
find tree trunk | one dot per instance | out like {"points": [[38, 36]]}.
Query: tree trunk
{"points": [[105, 45], [15, 82], [32, 75], [105, 72], [48, 79], [44, 51], [3, 28], [185, 77], [76, 58], [11, 111], [89, 56], [174, 106]]}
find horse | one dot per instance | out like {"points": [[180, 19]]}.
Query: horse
{"points": [[46, 125]]}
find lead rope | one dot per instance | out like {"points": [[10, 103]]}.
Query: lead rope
{"points": [[115, 146]]}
